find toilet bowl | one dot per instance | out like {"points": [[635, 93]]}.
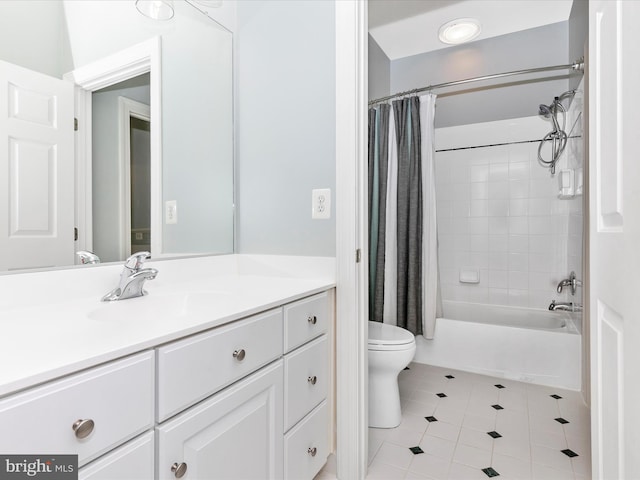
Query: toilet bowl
{"points": [[391, 349]]}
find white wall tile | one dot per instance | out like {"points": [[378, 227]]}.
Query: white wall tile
{"points": [[519, 207], [499, 243], [518, 298], [479, 173], [539, 206], [460, 191], [518, 281], [518, 189], [518, 170], [479, 191], [498, 225], [478, 243], [518, 225], [478, 225], [498, 190], [498, 172], [498, 208], [518, 262], [460, 208], [498, 279], [479, 208], [498, 211], [499, 296], [518, 243]]}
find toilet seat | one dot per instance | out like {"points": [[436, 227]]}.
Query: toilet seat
{"points": [[389, 337]]}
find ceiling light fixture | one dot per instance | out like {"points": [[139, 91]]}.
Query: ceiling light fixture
{"points": [[459, 31], [156, 9]]}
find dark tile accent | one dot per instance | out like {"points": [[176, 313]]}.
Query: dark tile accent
{"points": [[441, 395], [490, 472], [416, 450], [569, 453], [494, 434], [449, 376], [497, 407], [499, 386], [561, 420], [407, 368], [557, 397], [431, 419]]}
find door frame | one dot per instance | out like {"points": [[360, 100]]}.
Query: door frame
{"points": [[352, 371], [142, 58], [127, 108]]}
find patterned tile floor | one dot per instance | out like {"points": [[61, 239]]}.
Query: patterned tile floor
{"points": [[481, 427]]}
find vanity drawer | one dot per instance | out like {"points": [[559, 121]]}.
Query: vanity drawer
{"points": [[134, 459], [306, 446], [305, 319], [190, 370], [305, 373], [117, 397]]}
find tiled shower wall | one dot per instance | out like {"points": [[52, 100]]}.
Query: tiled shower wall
{"points": [[498, 212]]}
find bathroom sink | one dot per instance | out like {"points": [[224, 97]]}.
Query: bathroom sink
{"points": [[160, 306]]}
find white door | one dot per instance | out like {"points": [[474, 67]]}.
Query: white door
{"points": [[36, 169], [614, 169], [235, 435]]}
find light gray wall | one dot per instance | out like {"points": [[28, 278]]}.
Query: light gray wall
{"points": [[578, 34], [509, 98], [285, 125], [379, 71], [197, 134], [33, 34], [105, 163]]}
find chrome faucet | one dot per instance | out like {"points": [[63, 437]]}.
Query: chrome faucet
{"points": [[87, 258], [132, 278], [565, 306], [572, 282]]}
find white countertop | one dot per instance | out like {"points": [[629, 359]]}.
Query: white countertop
{"points": [[53, 323]]}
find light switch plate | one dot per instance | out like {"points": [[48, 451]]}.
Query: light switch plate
{"points": [[170, 212]]}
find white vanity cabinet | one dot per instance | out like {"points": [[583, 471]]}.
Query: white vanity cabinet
{"points": [[273, 422], [235, 434], [306, 361], [133, 460], [243, 400], [87, 414]]}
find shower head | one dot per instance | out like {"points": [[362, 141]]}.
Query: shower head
{"points": [[544, 111]]}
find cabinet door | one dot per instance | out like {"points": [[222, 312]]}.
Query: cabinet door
{"points": [[132, 461], [236, 434]]}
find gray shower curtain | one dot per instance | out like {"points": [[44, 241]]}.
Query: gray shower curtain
{"points": [[406, 113]]}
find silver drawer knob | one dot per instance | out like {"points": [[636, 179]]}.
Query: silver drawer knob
{"points": [[83, 428], [179, 469], [312, 380], [312, 319], [239, 354], [312, 451]]}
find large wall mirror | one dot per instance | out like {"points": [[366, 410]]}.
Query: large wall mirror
{"points": [[107, 188]]}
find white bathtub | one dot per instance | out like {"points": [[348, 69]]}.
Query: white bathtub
{"points": [[528, 345]]}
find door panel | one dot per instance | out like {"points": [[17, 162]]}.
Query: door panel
{"points": [[614, 236], [36, 169]]}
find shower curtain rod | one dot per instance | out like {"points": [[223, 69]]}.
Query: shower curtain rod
{"points": [[577, 66]]}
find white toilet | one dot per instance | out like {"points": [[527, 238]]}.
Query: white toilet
{"points": [[391, 349]]}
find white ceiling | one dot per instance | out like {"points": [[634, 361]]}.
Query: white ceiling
{"points": [[409, 27]]}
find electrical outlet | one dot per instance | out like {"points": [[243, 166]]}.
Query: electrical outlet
{"points": [[170, 212], [321, 203]]}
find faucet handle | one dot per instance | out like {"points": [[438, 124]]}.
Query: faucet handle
{"points": [[135, 261], [572, 282]]}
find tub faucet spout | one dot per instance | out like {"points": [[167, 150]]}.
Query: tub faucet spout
{"points": [[565, 306]]}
